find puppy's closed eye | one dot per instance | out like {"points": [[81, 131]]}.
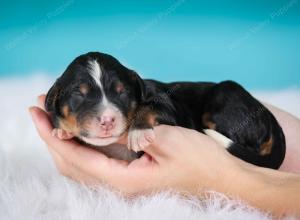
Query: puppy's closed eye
{"points": [[76, 100], [121, 90]]}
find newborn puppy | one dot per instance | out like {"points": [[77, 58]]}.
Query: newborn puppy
{"points": [[97, 100]]}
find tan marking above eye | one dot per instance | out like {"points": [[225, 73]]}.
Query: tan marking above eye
{"points": [[266, 147], [66, 110], [83, 88], [206, 120], [119, 87]]}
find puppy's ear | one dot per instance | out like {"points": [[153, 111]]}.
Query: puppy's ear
{"points": [[52, 97], [140, 86]]}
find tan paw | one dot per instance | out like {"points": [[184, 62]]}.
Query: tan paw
{"points": [[138, 139], [61, 134]]}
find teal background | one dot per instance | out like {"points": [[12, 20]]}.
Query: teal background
{"points": [[256, 43]]}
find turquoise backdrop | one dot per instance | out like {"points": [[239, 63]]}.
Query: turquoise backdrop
{"points": [[255, 42]]}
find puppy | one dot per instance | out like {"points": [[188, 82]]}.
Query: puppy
{"points": [[97, 100]]}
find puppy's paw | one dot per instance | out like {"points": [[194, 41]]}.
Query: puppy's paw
{"points": [[61, 134], [139, 139]]}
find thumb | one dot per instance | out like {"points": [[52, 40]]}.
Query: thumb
{"points": [[166, 137], [41, 101], [42, 122]]}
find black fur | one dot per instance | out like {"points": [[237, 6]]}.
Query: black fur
{"points": [[227, 106]]}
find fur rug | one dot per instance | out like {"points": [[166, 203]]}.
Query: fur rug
{"points": [[31, 188]]}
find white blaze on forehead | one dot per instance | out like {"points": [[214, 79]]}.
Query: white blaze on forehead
{"points": [[96, 73], [93, 129]]}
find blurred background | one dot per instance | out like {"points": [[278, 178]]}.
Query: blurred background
{"points": [[255, 42]]}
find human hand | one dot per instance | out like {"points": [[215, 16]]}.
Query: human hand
{"points": [[291, 128], [179, 158]]}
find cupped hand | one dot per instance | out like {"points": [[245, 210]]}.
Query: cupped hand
{"points": [[179, 158]]}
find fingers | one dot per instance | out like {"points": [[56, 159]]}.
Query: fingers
{"points": [[62, 134], [42, 123], [81, 163], [70, 171], [166, 139], [85, 159], [171, 141], [45, 128], [41, 101], [74, 151]]}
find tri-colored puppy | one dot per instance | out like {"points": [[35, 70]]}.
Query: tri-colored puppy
{"points": [[97, 100]]}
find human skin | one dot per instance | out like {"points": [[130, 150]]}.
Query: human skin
{"points": [[186, 161]]}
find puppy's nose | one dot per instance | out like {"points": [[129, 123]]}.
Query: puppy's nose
{"points": [[107, 122]]}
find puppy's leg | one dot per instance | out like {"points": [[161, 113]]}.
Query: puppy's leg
{"points": [[62, 134], [139, 139], [257, 137], [219, 138], [141, 132]]}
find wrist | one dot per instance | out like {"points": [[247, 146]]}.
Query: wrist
{"points": [[235, 177], [223, 176], [263, 188]]}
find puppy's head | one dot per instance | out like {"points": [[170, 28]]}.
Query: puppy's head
{"points": [[95, 98]]}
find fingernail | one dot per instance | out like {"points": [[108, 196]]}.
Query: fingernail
{"points": [[30, 111]]}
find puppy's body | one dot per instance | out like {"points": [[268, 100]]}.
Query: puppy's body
{"points": [[97, 100], [226, 108]]}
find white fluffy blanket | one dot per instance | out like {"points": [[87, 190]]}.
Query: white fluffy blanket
{"points": [[31, 188]]}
